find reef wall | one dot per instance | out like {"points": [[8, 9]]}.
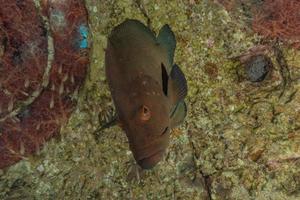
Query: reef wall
{"points": [[241, 139]]}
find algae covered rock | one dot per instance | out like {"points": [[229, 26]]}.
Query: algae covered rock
{"points": [[240, 139]]}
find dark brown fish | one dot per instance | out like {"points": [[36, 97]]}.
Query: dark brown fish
{"points": [[148, 90]]}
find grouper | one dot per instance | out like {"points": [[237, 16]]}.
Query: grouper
{"points": [[147, 88]]}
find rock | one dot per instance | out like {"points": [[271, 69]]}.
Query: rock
{"points": [[258, 67]]}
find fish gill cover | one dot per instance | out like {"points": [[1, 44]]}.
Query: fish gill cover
{"points": [[44, 60]]}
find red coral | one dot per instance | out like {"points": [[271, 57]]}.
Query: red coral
{"points": [[24, 56], [22, 72], [279, 19]]}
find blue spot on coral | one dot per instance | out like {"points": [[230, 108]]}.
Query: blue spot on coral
{"points": [[83, 30]]}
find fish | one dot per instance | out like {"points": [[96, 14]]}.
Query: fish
{"points": [[147, 88]]}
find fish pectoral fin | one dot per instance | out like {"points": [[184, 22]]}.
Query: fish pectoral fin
{"points": [[178, 114], [178, 84], [167, 39], [112, 122]]}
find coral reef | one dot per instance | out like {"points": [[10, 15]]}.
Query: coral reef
{"points": [[43, 63], [240, 141]]}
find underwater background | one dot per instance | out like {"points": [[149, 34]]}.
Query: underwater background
{"points": [[240, 139]]}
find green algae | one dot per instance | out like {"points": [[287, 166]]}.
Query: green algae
{"points": [[240, 140]]}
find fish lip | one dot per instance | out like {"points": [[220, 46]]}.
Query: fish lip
{"points": [[148, 163]]}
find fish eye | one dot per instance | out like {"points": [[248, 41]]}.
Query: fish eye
{"points": [[145, 113], [165, 131]]}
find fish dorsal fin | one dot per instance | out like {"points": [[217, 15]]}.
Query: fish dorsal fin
{"points": [[177, 84], [165, 79], [178, 114], [132, 26], [166, 38], [140, 26]]}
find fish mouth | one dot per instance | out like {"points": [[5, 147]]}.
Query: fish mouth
{"points": [[150, 161]]}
